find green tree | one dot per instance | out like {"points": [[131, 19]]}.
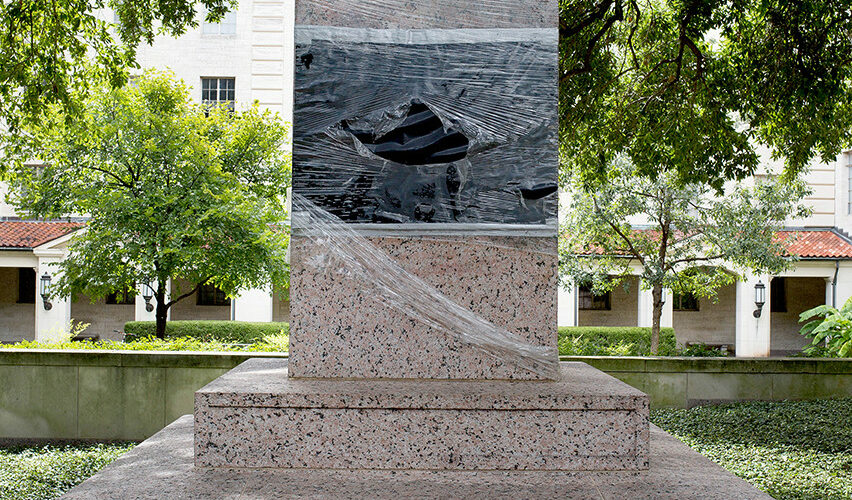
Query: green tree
{"points": [[687, 233], [52, 52], [173, 190], [691, 86]]}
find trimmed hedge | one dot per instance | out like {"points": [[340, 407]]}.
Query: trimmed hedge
{"points": [[229, 332], [613, 341]]}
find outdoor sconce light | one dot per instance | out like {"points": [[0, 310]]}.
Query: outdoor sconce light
{"points": [[45, 291], [759, 298], [663, 296], [148, 294]]}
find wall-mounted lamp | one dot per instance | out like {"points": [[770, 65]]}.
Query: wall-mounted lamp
{"points": [[663, 296], [148, 294], [44, 290], [759, 298]]}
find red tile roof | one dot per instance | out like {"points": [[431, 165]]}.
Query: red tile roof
{"points": [[807, 243], [30, 234], [803, 243], [817, 244]]}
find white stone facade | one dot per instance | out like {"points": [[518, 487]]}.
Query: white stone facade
{"points": [[822, 278], [254, 47]]}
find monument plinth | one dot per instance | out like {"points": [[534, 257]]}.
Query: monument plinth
{"points": [[424, 275], [424, 261], [257, 416]]}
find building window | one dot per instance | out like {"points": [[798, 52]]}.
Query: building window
{"points": [[218, 92], [685, 302], [226, 26], [209, 295], [125, 297], [26, 285], [778, 295], [588, 301]]}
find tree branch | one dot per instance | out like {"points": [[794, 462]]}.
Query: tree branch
{"points": [[187, 294], [586, 67], [621, 234]]}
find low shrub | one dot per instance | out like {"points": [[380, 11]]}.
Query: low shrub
{"points": [[277, 342], [613, 341], [227, 332], [49, 471], [702, 351]]}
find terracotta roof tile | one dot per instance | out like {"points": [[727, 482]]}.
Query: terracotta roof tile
{"points": [[818, 244], [30, 234], [804, 243]]}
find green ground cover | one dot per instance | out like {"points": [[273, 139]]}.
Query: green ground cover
{"points": [[789, 449], [49, 471]]}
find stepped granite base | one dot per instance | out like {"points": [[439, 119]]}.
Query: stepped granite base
{"points": [[256, 416], [162, 467]]}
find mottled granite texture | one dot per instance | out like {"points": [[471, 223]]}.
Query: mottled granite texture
{"points": [[162, 467], [405, 14], [256, 416], [338, 328]]}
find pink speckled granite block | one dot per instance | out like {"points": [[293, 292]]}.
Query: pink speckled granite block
{"points": [[256, 416], [407, 14], [338, 328], [162, 467]]}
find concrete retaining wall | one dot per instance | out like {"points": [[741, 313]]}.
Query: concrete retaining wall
{"points": [[130, 395], [124, 395], [687, 382]]}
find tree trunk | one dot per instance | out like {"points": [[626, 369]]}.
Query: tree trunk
{"points": [[162, 310], [657, 295]]}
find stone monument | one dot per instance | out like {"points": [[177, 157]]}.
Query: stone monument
{"points": [[424, 273], [424, 263]]}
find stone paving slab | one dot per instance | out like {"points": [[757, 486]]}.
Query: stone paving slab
{"points": [[162, 467]]}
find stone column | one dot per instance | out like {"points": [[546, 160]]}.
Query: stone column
{"points": [[51, 325], [829, 292], [567, 315], [142, 314], [252, 305], [666, 320], [645, 304], [752, 334], [844, 286]]}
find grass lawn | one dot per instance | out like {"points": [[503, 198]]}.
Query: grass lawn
{"points": [[790, 449], [49, 471]]}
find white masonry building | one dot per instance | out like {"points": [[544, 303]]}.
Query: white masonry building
{"points": [[243, 59], [822, 275], [246, 58]]}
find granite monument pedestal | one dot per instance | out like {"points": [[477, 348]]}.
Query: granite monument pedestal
{"points": [[428, 131], [257, 416]]}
